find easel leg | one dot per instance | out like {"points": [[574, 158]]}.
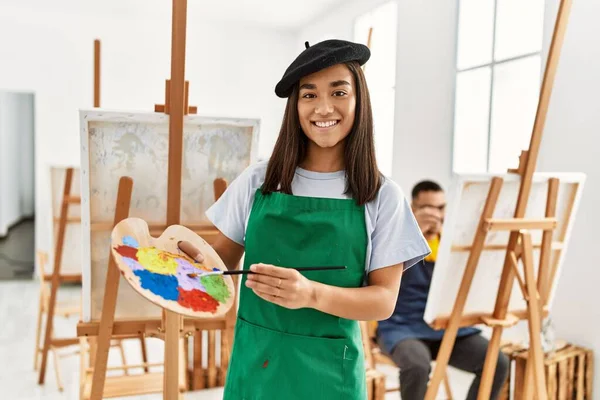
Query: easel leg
{"points": [[144, 351], [123, 357], [489, 367], [56, 359], [92, 346], [83, 360], [109, 303], [42, 257], [38, 334], [198, 376], [449, 339], [500, 310], [529, 381], [173, 329], [183, 376], [535, 361], [56, 273]]}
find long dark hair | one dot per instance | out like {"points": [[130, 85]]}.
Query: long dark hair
{"points": [[363, 178]]}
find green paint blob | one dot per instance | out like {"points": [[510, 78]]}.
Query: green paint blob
{"points": [[216, 287]]}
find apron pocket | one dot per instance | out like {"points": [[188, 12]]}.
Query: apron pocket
{"points": [[267, 365]]}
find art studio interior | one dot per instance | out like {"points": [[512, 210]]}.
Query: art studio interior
{"points": [[290, 200]]}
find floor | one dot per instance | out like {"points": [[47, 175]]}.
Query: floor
{"points": [[16, 254], [18, 380]]}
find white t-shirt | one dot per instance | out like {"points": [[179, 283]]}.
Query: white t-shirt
{"points": [[394, 236]]}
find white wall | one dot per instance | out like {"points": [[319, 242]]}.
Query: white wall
{"points": [[570, 143], [16, 158], [232, 71], [337, 23], [425, 84]]}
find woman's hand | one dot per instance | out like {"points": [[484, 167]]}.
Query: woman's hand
{"points": [[228, 250], [192, 251], [285, 287]]}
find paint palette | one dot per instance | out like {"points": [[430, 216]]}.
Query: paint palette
{"points": [[158, 270]]}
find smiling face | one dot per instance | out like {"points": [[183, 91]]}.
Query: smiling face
{"points": [[326, 106]]}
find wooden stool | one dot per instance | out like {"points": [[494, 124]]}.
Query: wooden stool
{"points": [[569, 371]]}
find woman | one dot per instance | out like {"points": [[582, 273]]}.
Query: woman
{"points": [[319, 201]]}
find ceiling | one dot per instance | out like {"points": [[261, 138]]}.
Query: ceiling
{"points": [[273, 14], [278, 14]]}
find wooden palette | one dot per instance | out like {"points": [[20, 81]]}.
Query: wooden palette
{"points": [[163, 274]]}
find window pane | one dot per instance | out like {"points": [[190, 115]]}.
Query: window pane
{"points": [[514, 104], [519, 28], [471, 120], [475, 29]]}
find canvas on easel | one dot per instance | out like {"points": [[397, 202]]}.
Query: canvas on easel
{"points": [[116, 144], [466, 200]]}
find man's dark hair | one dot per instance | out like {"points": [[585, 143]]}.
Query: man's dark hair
{"points": [[425, 186]]}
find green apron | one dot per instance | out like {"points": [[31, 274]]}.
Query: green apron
{"points": [[283, 354]]}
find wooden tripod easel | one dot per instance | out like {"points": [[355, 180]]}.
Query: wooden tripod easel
{"points": [[536, 293], [48, 303], [176, 105], [171, 327]]}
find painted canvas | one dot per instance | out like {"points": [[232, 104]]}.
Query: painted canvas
{"points": [[71, 255], [116, 144], [466, 200], [162, 273]]}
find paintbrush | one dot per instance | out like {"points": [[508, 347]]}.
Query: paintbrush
{"points": [[197, 256], [247, 271]]}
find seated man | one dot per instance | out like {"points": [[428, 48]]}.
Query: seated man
{"points": [[407, 338]]}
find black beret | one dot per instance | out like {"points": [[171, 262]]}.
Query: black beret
{"points": [[320, 56]]}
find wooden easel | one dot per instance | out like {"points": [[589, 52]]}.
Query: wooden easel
{"points": [[536, 293], [56, 279], [171, 327]]}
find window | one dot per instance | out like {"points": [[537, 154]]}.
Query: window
{"points": [[497, 83], [377, 29]]}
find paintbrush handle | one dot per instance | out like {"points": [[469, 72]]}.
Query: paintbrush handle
{"points": [[301, 269], [247, 271]]}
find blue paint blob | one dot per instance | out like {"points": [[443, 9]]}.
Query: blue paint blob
{"points": [[164, 286], [216, 269], [131, 242]]}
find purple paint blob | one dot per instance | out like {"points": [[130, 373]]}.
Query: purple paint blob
{"points": [[188, 283], [184, 268], [133, 264], [184, 265]]}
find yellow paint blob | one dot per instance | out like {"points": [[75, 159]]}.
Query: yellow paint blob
{"points": [[157, 261]]}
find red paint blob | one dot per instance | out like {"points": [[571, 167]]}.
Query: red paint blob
{"points": [[127, 251], [197, 300], [266, 364]]}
